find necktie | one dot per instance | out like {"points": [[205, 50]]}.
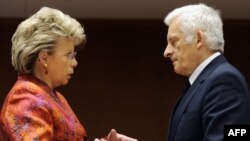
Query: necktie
{"points": [[186, 87], [173, 120]]}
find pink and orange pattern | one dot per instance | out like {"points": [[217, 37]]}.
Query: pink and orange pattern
{"points": [[34, 112]]}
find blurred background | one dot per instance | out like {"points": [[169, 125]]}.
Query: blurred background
{"points": [[122, 80]]}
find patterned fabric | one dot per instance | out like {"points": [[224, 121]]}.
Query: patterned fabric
{"points": [[3, 136], [33, 112]]}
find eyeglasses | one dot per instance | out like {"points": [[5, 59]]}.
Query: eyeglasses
{"points": [[71, 55]]}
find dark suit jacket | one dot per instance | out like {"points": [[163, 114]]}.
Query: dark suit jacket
{"points": [[218, 96]]}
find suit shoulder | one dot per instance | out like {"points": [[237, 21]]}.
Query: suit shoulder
{"points": [[227, 75], [227, 70]]}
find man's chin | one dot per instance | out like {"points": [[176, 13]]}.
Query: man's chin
{"points": [[178, 71]]}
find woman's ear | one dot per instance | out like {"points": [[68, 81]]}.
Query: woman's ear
{"points": [[42, 57], [200, 39]]}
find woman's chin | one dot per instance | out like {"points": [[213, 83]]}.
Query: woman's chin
{"points": [[65, 82]]}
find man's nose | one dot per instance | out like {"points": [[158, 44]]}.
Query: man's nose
{"points": [[168, 51]]}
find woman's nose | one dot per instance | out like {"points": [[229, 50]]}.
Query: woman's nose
{"points": [[74, 63]]}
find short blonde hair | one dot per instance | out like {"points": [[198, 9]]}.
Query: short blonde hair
{"points": [[40, 32]]}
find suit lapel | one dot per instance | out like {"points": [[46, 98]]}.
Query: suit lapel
{"points": [[181, 108], [183, 103]]}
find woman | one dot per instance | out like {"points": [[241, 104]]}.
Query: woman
{"points": [[3, 136], [43, 54]]}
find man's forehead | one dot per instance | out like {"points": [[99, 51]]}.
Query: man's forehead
{"points": [[173, 35]]}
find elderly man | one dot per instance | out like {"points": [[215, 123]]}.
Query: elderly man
{"points": [[218, 93]]}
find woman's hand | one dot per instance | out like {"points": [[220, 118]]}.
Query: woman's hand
{"points": [[114, 136]]}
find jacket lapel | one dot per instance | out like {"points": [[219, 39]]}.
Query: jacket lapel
{"points": [[183, 103]]}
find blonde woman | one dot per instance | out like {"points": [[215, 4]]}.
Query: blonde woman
{"points": [[43, 54]]}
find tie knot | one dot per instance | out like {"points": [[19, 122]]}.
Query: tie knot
{"points": [[186, 86]]}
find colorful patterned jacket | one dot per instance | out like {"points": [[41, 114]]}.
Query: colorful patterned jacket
{"points": [[34, 112]]}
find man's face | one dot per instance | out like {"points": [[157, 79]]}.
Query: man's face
{"points": [[182, 54]]}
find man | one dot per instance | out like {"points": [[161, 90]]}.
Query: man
{"points": [[218, 94]]}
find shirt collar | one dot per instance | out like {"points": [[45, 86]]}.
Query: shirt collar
{"points": [[201, 67]]}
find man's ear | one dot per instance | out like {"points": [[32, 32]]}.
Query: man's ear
{"points": [[200, 39], [42, 57]]}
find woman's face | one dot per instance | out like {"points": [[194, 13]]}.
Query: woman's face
{"points": [[61, 63]]}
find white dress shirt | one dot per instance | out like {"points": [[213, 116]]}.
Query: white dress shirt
{"points": [[201, 67]]}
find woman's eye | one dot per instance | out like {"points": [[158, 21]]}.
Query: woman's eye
{"points": [[71, 55]]}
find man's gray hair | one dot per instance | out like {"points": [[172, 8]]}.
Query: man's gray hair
{"points": [[200, 17]]}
